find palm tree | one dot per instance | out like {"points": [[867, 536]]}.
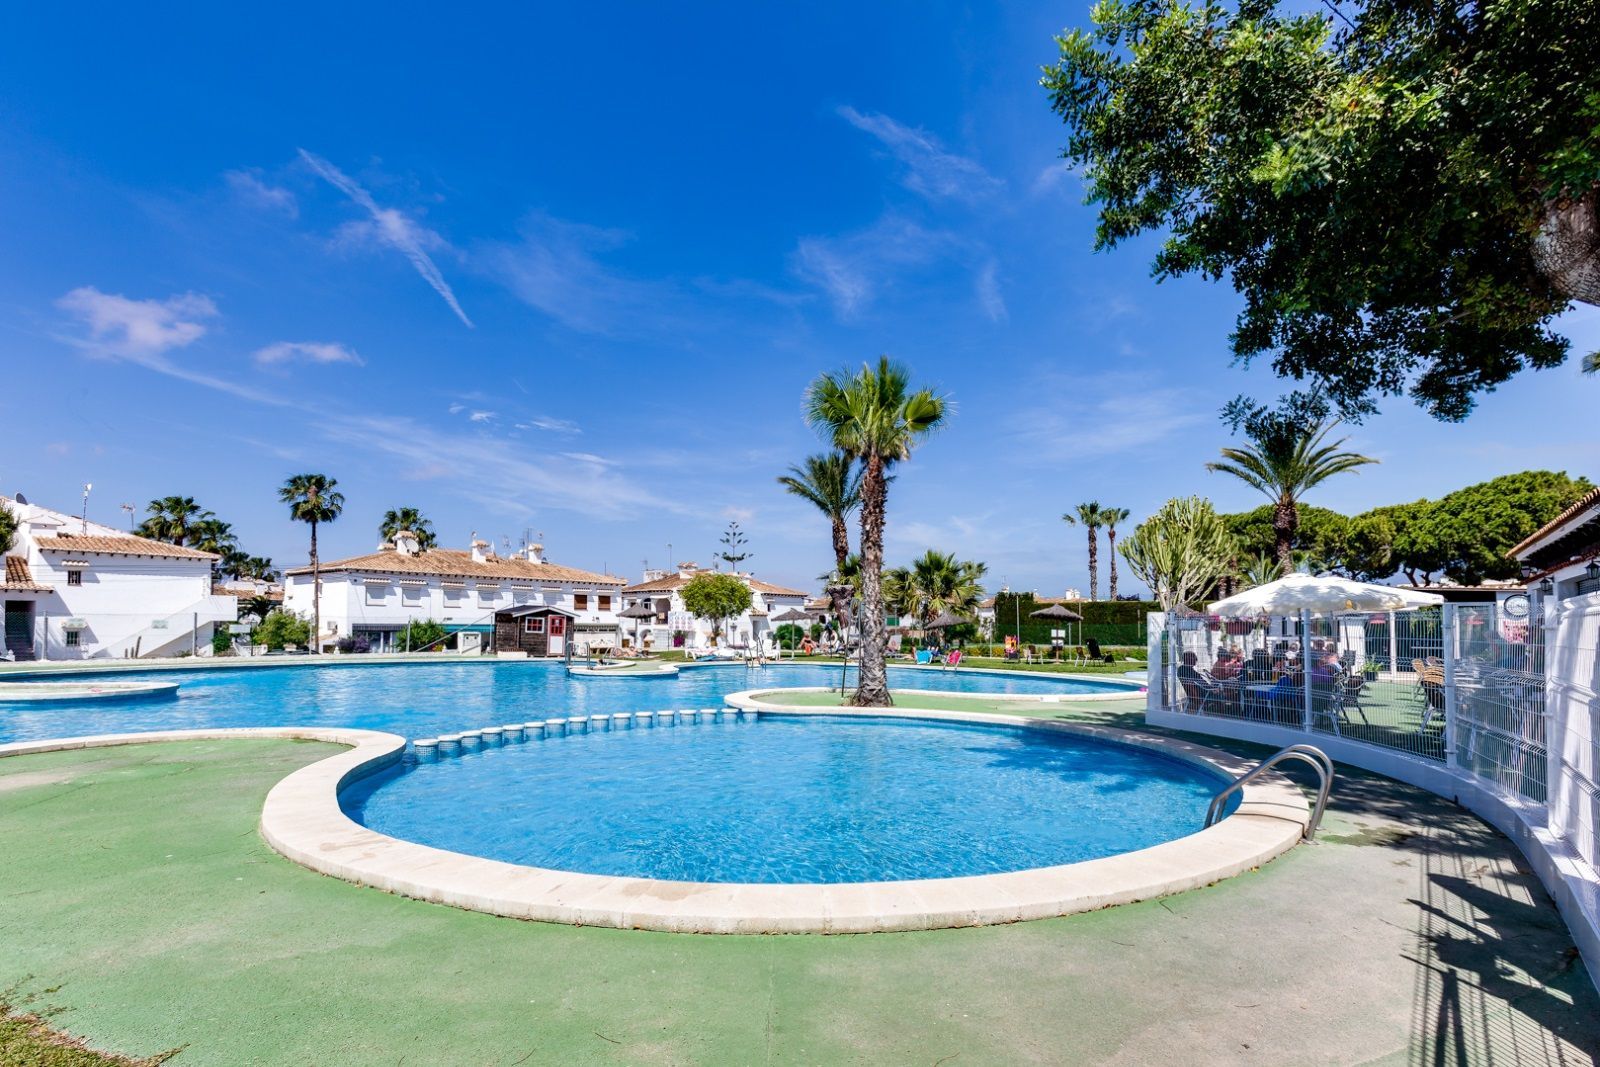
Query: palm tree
{"points": [[1114, 516], [937, 582], [402, 520], [1260, 570], [312, 500], [876, 418], [170, 519], [1092, 516], [831, 482], [1283, 461]]}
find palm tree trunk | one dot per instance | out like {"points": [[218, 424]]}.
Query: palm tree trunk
{"points": [[1285, 518], [316, 594], [1094, 564], [841, 553], [872, 686], [1111, 550]]}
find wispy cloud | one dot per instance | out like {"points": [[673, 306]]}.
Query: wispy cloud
{"points": [[306, 352], [1108, 414], [929, 169], [987, 286], [557, 267], [854, 269], [137, 329], [389, 227], [1055, 178], [252, 189], [481, 416], [552, 425]]}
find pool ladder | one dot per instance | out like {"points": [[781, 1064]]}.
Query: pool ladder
{"points": [[1306, 754]]}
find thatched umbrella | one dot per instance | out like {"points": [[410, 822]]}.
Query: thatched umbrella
{"points": [[1056, 611], [638, 611], [945, 620], [794, 615]]}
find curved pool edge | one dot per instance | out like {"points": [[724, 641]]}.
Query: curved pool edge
{"points": [[301, 819]]}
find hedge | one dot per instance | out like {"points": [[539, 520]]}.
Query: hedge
{"points": [[1110, 622]]}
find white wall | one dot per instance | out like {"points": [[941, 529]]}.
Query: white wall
{"points": [[126, 600]]}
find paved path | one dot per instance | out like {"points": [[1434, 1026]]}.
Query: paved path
{"points": [[134, 881]]}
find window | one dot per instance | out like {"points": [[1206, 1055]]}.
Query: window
{"points": [[452, 597], [74, 577], [73, 638], [488, 595], [580, 601], [533, 626], [522, 596], [605, 602], [377, 592], [412, 593]]}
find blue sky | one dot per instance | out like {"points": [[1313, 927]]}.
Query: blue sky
{"points": [[569, 272]]}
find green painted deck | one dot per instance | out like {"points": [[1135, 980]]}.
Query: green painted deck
{"points": [[134, 881]]}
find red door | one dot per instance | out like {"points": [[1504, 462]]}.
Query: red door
{"points": [[558, 635]]}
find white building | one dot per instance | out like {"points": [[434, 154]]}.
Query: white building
{"points": [[1565, 551], [674, 627], [371, 598], [79, 590]]}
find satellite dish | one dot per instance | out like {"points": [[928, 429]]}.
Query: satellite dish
{"points": [[21, 499]]}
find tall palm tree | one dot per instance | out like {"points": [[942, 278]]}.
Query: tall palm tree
{"points": [[1114, 516], [1282, 462], [1091, 516], [1260, 570], [400, 520], [831, 482], [875, 417], [937, 582], [170, 519], [313, 500]]}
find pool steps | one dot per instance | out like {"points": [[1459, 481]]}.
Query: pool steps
{"points": [[428, 749]]}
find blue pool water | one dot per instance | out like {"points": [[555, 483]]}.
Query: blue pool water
{"points": [[425, 700], [792, 799]]}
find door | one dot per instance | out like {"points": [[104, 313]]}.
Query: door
{"points": [[558, 635], [19, 625]]}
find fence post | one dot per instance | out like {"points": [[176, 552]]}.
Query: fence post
{"points": [[1155, 670], [1305, 666], [1170, 690], [1447, 642], [194, 636], [1394, 645]]}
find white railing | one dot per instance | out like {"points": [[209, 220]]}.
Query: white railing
{"points": [[180, 628], [1497, 709]]}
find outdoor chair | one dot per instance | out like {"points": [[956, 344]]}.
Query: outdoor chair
{"points": [[1198, 697], [924, 656], [1353, 686], [953, 660], [1098, 656]]}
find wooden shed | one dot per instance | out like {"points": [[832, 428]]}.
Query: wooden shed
{"points": [[538, 630]]}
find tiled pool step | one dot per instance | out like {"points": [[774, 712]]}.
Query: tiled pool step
{"points": [[424, 749]]}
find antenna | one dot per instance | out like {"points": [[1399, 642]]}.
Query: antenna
{"points": [[84, 518], [129, 509]]}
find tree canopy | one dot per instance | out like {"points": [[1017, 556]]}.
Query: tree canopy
{"points": [[1181, 552], [1463, 536], [1405, 193], [8, 529], [715, 596]]}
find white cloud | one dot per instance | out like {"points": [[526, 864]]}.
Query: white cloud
{"points": [[456, 409], [307, 352], [1055, 177], [556, 268], [250, 188], [481, 416], [930, 169], [553, 425], [987, 286], [590, 457], [137, 329], [853, 269], [388, 227]]}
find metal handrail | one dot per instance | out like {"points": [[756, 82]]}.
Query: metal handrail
{"points": [[1311, 754]]}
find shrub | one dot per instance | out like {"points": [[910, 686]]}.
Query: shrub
{"points": [[281, 628], [353, 645], [418, 636], [221, 642]]}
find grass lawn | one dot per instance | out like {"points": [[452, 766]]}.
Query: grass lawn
{"points": [[140, 908]]}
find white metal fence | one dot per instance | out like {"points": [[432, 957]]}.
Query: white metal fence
{"points": [[1506, 697]]}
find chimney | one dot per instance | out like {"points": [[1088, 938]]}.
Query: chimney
{"points": [[535, 553], [406, 543], [482, 551]]}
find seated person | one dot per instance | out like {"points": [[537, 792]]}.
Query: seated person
{"points": [[1196, 685], [1287, 695], [1226, 668]]}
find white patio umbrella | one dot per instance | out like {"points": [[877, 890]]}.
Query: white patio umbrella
{"points": [[1319, 595]]}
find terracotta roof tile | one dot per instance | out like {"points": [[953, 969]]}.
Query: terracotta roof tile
{"points": [[127, 545], [1582, 504], [19, 578], [454, 563]]}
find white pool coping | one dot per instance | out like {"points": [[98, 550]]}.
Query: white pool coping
{"points": [[302, 820], [625, 670], [48, 692]]}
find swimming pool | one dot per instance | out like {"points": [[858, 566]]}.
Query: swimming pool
{"points": [[792, 799], [422, 700]]}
